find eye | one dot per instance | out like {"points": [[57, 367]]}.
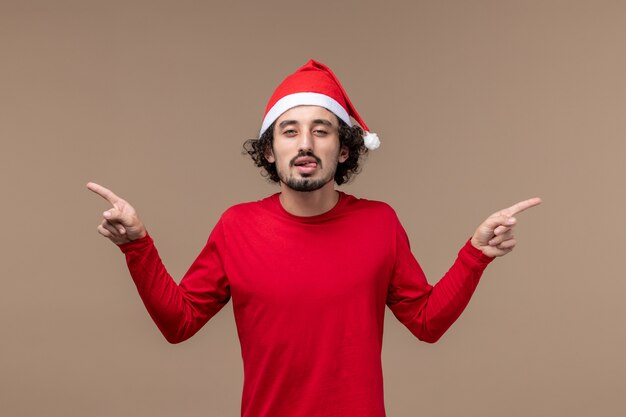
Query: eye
{"points": [[289, 132], [320, 132]]}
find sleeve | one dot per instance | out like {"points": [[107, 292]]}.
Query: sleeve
{"points": [[179, 310], [426, 310]]}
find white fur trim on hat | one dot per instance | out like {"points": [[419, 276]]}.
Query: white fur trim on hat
{"points": [[304, 99]]}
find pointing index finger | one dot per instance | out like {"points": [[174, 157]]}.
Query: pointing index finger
{"points": [[521, 206], [103, 192]]}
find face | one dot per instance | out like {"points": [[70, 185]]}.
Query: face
{"points": [[306, 148]]}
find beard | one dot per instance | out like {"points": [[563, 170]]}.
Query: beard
{"points": [[305, 184]]}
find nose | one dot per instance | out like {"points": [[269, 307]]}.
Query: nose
{"points": [[305, 142]]}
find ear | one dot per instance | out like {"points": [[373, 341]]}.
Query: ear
{"points": [[344, 153], [269, 155]]}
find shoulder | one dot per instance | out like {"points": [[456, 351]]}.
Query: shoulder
{"points": [[373, 210], [248, 209], [356, 203]]}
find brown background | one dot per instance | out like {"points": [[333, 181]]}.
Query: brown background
{"points": [[479, 104]]}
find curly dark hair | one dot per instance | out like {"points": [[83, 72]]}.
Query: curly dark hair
{"points": [[350, 137]]}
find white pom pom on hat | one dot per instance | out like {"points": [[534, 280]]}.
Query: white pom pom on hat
{"points": [[314, 84], [371, 140]]}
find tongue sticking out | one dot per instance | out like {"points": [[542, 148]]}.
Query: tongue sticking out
{"points": [[306, 163], [306, 167]]}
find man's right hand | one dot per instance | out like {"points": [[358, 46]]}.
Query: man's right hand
{"points": [[121, 223]]}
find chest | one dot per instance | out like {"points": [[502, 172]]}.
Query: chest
{"points": [[270, 262]]}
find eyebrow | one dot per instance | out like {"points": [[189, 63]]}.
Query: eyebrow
{"points": [[287, 122], [324, 122]]}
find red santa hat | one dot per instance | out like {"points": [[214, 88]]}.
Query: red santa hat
{"points": [[314, 84]]}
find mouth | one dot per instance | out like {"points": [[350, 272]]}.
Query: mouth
{"points": [[305, 161], [306, 164]]}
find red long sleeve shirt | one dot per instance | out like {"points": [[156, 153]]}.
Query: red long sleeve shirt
{"points": [[309, 296]]}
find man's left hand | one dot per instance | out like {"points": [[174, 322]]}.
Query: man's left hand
{"points": [[495, 236]]}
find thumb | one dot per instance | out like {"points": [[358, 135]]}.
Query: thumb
{"points": [[486, 231], [500, 220], [114, 215]]}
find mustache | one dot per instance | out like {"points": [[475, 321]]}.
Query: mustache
{"points": [[305, 153]]}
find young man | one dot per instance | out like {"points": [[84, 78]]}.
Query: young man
{"points": [[310, 269]]}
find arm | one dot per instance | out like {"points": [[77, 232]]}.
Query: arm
{"points": [[179, 311], [428, 311]]}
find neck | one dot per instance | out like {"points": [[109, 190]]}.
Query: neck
{"points": [[312, 203]]}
